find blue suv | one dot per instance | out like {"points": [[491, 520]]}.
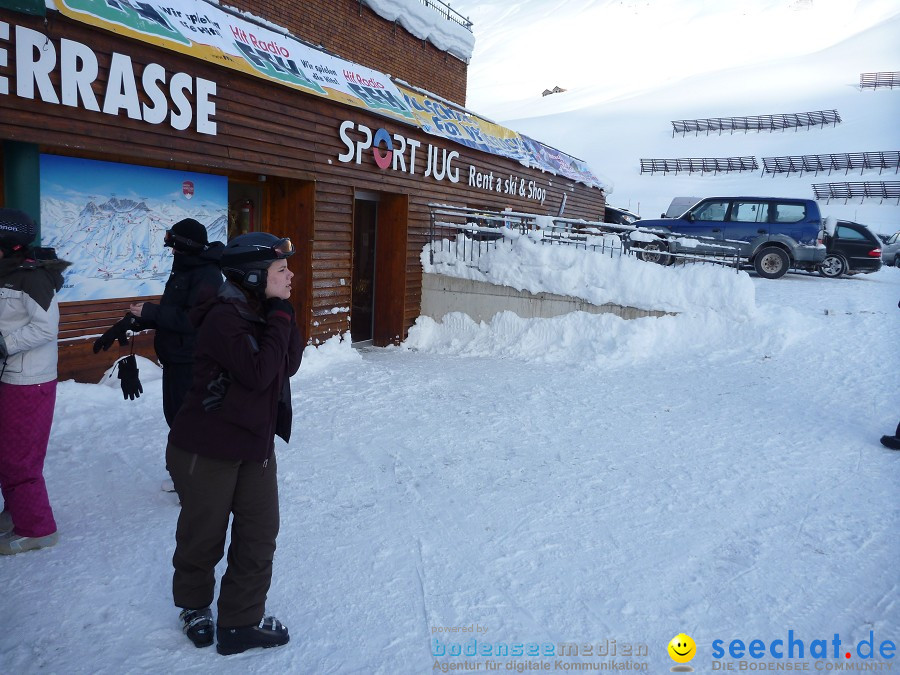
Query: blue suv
{"points": [[771, 233]]}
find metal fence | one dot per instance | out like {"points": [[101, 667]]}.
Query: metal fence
{"points": [[888, 80], [712, 165], [862, 190], [467, 234], [842, 161], [449, 13], [757, 123]]}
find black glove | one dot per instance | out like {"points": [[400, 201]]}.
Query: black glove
{"points": [[128, 373], [3, 350], [119, 331], [279, 305]]}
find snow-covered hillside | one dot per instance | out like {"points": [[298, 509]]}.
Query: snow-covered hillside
{"points": [[648, 65]]}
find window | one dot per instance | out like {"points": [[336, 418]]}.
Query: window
{"points": [[848, 233], [711, 211], [749, 212], [789, 213]]}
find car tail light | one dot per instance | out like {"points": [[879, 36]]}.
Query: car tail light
{"points": [[874, 253]]}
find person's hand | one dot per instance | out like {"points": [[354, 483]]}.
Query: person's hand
{"points": [[136, 308], [119, 331], [128, 374]]}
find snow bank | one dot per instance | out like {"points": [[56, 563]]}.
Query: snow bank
{"points": [[335, 349], [595, 341], [528, 265], [427, 24]]}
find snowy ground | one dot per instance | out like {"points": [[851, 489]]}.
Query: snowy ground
{"points": [[709, 474]]}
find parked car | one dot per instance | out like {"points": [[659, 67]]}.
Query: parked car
{"points": [[890, 250], [678, 206], [771, 233], [618, 216], [852, 249]]}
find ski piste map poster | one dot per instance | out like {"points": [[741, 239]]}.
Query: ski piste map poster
{"points": [[109, 220], [204, 31]]}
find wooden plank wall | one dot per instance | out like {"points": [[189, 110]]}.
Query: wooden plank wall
{"points": [[291, 139]]}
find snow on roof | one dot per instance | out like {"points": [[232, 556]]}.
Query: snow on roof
{"points": [[427, 24]]}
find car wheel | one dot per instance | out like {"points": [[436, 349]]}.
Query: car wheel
{"points": [[771, 263], [653, 253], [833, 266], [897, 260]]}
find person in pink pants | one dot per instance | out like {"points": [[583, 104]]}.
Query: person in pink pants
{"points": [[29, 323]]}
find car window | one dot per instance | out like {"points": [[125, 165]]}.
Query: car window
{"points": [[894, 237], [787, 213], [848, 233], [711, 211], [750, 212]]}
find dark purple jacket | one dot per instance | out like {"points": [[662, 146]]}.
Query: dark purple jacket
{"points": [[240, 396]]}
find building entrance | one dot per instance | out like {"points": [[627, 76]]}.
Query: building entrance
{"points": [[362, 310]]}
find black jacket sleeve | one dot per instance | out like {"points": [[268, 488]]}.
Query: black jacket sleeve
{"points": [[174, 316]]}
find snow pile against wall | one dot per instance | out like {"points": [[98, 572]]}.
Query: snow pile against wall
{"points": [[427, 24], [523, 263], [334, 350], [592, 341]]}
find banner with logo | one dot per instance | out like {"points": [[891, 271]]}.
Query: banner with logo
{"points": [[558, 162], [206, 32], [440, 119]]}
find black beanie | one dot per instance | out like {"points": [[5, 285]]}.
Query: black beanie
{"points": [[17, 229], [190, 229]]}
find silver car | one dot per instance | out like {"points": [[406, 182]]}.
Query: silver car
{"points": [[890, 252]]}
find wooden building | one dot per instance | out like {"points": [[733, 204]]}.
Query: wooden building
{"points": [[295, 164]]}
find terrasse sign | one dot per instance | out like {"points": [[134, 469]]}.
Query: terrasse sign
{"points": [[38, 58], [399, 153]]}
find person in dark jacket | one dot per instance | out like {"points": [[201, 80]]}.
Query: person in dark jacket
{"points": [[221, 451], [29, 323], [195, 275]]}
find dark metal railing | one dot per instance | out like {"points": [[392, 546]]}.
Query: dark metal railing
{"points": [[700, 165], [841, 161], [862, 190], [448, 13], [758, 123], [888, 80]]}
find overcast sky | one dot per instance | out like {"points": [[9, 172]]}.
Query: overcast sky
{"points": [[524, 47]]}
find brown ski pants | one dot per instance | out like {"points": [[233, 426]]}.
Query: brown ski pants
{"points": [[210, 490]]}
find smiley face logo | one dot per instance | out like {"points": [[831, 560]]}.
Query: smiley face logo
{"points": [[682, 648]]}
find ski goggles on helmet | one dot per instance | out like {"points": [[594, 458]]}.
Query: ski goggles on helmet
{"points": [[284, 248], [176, 241]]}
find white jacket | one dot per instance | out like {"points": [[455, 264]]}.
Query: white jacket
{"points": [[30, 333]]}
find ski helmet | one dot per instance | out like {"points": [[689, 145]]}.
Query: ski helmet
{"points": [[187, 236], [246, 258], [17, 230]]}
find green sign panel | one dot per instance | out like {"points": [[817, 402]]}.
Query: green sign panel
{"points": [[34, 7]]}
